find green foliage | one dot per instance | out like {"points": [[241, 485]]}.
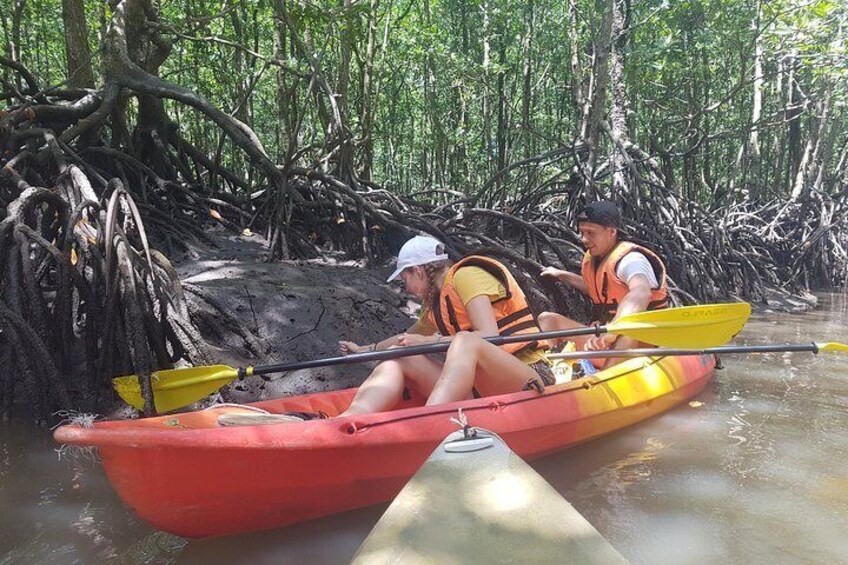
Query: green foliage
{"points": [[448, 81]]}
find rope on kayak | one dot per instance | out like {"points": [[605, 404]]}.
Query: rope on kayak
{"points": [[87, 453], [468, 431], [72, 417], [460, 419]]}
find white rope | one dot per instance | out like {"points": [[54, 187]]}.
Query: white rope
{"points": [[82, 419], [460, 419]]}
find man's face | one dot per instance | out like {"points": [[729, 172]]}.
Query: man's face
{"points": [[597, 239]]}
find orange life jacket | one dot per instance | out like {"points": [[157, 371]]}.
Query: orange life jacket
{"points": [[606, 289], [511, 312]]}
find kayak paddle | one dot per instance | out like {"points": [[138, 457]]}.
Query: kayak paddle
{"points": [[688, 326], [664, 351]]}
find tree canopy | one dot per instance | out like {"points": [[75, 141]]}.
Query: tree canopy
{"points": [[444, 94]]}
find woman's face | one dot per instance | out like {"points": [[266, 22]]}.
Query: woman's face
{"points": [[415, 281]]}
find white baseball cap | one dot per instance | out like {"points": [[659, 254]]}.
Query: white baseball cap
{"points": [[419, 250]]}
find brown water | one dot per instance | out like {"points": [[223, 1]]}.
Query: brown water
{"points": [[755, 473]]}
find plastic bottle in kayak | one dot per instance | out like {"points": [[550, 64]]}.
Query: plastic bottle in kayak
{"points": [[588, 368]]}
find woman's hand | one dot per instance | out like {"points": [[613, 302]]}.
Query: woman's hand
{"points": [[601, 342], [409, 340], [348, 347]]}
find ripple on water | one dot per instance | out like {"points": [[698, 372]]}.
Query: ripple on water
{"points": [[672, 537], [699, 487], [158, 548], [42, 552]]}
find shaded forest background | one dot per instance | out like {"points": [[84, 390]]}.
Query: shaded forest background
{"points": [[130, 127]]}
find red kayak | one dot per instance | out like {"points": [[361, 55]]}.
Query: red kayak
{"points": [[188, 475]]}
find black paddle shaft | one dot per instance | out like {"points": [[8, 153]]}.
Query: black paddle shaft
{"points": [[399, 352], [659, 352]]}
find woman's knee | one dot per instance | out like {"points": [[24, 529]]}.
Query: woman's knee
{"points": [[548, 319], [390, 366], [465, 342]]}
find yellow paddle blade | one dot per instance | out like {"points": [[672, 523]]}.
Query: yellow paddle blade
{"points": [[706, 325], [833, 346], [175, 388]]}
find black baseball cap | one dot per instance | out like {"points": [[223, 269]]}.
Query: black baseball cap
{"points": [[602, 212]]}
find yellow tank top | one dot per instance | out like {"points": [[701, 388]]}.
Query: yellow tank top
{"points": [[470, 282]]}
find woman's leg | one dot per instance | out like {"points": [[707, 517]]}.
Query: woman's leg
{"points": [[551, 322], [383, 388], [474, 362]]}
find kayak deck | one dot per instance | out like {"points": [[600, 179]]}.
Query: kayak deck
{"points": [[484, 505]]}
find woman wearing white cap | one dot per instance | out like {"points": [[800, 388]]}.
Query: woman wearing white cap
{"points": [[463, 302]]}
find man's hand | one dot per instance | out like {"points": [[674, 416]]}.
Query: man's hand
{"points": [[553, 272], [572, 279]]}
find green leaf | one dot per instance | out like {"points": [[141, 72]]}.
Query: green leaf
{"points": [[823, 8]]}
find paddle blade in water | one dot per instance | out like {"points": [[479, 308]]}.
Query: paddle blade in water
{"points": [[175, 388], [707, 325]]}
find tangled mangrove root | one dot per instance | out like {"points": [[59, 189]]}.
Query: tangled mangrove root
{"points": [[88, 197], [85, 297]]}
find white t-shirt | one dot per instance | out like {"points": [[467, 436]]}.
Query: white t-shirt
{"points": [[635, 263]]}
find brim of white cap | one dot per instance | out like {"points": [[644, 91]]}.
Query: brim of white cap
{"points": [[395, 275], [400, 269]]}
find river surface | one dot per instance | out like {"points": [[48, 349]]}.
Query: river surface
{"points": [[755, 470]]}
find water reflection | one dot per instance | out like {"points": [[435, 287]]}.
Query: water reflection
{"points": [[749, 487], [334, 539], [755, 473]]}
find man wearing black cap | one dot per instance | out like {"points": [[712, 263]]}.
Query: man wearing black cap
{"points": [[619, 277]]}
